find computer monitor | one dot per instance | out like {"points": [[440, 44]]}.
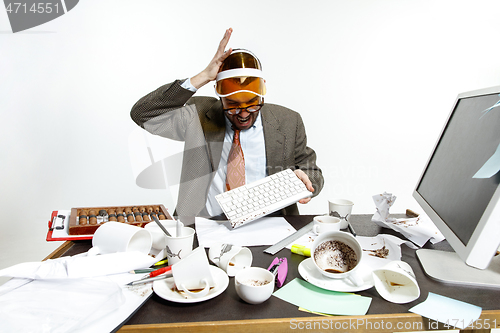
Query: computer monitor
{"points": [[466, 209]]}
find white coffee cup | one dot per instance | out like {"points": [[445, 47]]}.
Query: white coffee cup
{"points": [[180, 247], [254, 284], [193, 273], [396, 282], [112, 237], [325, 223], [345, 251], [342, 209], [231, 258], [159, 237]]}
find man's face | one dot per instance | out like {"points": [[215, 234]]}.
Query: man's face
{"points": [[244, 120]]}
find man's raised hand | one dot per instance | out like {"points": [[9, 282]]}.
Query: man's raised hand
{"points": [[210, 72]]}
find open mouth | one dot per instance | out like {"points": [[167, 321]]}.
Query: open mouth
{"points": [[243, 120]]}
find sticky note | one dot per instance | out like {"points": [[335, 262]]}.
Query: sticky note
{"points": [[448, 311], [304, 294]]}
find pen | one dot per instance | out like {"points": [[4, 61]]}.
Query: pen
{"points": [[159, 277], [142, 271], [161, 262], [160, 271]]}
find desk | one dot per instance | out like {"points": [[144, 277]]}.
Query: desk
{"points": [[228, 313]]}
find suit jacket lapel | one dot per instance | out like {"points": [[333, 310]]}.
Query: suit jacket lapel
{"points": [[274, 140], [214, 127]]}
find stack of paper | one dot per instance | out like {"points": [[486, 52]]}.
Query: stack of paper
{"points": [[264, 231]]}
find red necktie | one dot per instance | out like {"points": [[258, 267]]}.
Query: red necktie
{"points": [[235, 164]]}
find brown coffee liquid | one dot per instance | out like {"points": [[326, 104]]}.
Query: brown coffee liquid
{"points": [[394, 284]]}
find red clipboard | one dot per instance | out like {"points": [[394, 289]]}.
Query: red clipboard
{"points": [[63, 234]]}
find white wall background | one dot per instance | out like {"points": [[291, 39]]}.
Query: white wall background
{"points": [[374, 81]]}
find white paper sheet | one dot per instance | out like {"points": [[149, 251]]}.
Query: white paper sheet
{"points": [[134, 297], [419, 229], [35, 282], [264, 231], [80, 266], [62, 306]]}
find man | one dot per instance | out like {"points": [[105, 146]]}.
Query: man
{"points": [[272, 137]]}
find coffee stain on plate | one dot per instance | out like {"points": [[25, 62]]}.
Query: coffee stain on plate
{"points": [[383, 252]]}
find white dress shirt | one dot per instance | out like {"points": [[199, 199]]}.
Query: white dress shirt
{"points": [[254, 152]]}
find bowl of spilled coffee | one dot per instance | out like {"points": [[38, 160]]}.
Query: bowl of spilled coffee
{"points": [[337, 254], [254, 284]]}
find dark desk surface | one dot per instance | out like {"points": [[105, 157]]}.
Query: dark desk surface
{"points": [[229, 307]]}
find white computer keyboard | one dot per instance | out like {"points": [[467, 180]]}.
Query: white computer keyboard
{"points": [[265, 196]]}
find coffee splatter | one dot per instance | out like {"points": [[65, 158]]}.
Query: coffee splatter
{"points": [[381, 253]]}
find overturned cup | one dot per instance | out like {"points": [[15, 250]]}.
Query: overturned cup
{"points": [[113, 237], [230, 258], [192, 274], [396, 282]]}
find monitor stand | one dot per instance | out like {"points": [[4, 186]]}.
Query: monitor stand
{"points": [[448, 267]]}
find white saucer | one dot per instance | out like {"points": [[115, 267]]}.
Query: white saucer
{"points": [[311, 274], [163, 288]]}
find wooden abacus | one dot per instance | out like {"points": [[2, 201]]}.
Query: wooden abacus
{"points": [[86, 220]]}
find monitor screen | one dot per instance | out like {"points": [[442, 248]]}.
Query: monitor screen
{"points": [[460, 204], [467, 142]]}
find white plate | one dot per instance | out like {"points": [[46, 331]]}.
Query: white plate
{"points": [[311, 274], [163, 288]]}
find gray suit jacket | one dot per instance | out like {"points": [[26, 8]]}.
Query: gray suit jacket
{"points": [[172, 111]]}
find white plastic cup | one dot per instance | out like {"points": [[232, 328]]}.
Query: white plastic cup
{"points": [[180, 247], [342, 209]]}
